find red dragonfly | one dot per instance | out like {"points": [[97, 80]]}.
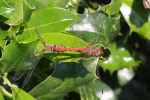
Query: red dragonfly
{"points": [[26, 62], [89, 50], [91, 38]]}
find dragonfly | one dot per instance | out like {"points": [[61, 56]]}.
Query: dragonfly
{"points": [[89, 50], [92, 38]]}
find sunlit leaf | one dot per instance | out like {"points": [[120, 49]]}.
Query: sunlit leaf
{"points": [[113, 7], [120, 58], [21, 15], [49, 20], [96, 90], [3, 38], [12, 56], [125, 75], [42, 4], [19, 94], [87, 91], [107, 92], [1, 96], [6, 9], [57, 3], [95, 28], [137, 17], [67, 41]]}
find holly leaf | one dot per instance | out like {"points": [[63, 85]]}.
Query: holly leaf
{"points": [[120, 58], [21, 15], [137, 17], [96, 90], [46, 21], [65, 78], [95, 28], [13, 54], [3, 38], [67, 41], [19, 94], [113, 7]]}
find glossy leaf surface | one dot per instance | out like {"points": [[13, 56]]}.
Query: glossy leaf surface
{"points": [[119, 58], [97, 90], [19, 94], [66, 77], [95, 28], [7, 63], [137, 17], [113, 7], [46, 23], [21, 15], [3, 38]]}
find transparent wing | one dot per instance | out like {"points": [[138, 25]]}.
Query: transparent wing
{"points": [[28, 61], [35, 61], [38, 30]]}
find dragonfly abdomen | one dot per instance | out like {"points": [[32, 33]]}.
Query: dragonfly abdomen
{"points": [[89, 50]]}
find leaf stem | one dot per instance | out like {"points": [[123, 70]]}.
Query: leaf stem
{"points": [[9, 95], [5, 92], [127, 36], [7, 81]]}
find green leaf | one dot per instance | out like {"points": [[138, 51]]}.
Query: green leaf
{"points": [[21, 14], [42, 4], [96, 90], [57, 3], [49, 20], [125, 75], [87, 91], [113, 7], [12, 56], [67, 41], [19, 94], [119, 58], [6, 9], [3, 38], [95, 28], [65, 78], [137, 17], [108, 92], [63, 39], [1, 96]]}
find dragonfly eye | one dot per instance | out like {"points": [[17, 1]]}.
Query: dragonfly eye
{"points": [[49, 47]]}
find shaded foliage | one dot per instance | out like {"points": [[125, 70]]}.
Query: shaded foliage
{"points": [[120, 27]]}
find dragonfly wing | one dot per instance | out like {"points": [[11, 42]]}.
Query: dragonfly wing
{"points": [[35, 61], [38, 31], [26, 63]]}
